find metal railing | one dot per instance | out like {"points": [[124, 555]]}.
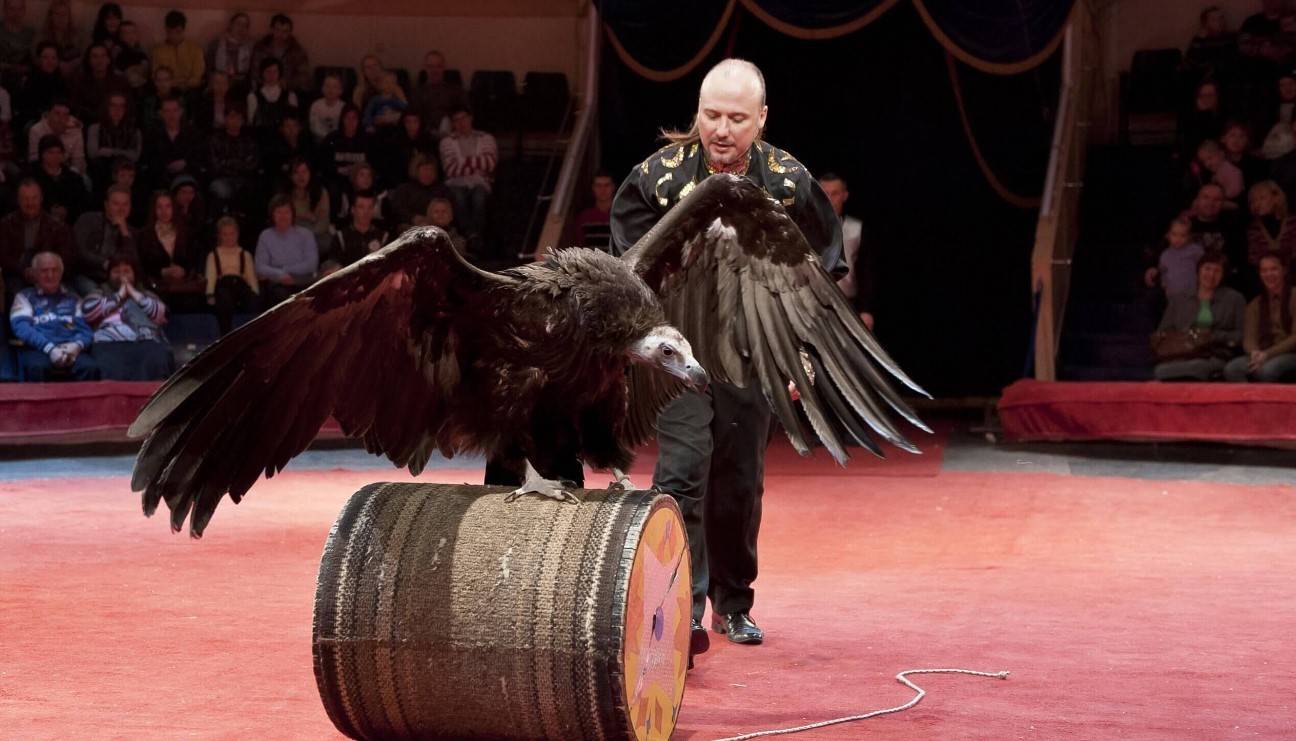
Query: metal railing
{"points": [[1058, 228]]}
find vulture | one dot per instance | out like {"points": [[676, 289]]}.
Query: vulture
{"points": [[414, 350]]}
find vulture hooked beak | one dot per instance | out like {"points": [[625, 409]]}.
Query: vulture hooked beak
{"points": [[666, 349]]}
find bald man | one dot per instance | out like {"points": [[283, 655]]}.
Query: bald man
{"points": [[712, 444]]}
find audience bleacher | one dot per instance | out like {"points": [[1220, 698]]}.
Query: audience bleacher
{"points": [[195, 137]]}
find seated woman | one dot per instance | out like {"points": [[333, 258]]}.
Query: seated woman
{"points": [[1212, 306], [169, 256], [232, 285], [1273, 226], [113, 136], [128, 343], [310, 202], [1268, 337], [287, 256]]}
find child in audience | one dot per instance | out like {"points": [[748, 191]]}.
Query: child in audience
{"points": [[232, 285], [384, 109], [327, 111], [1176, 267]]}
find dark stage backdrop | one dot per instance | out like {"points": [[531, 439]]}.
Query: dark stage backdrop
{"points": [[878, 105]]}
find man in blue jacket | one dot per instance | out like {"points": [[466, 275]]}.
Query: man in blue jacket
{"points": [[47, 318]]}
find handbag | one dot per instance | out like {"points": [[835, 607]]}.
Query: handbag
{"points": [[1181, 344]]}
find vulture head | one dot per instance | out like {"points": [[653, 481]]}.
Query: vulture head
{"points": [[665, 349]]}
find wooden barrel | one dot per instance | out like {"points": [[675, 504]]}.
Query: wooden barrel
{"points": [[444, 612]]}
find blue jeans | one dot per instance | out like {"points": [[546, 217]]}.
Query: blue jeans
{"points": [[470, 209], [1277, 369], [37, 367]]}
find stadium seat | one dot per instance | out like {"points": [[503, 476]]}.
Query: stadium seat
{"points": [[545, 99], [190, 334], [495, 100]]}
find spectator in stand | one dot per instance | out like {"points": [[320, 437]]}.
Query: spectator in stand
{"points": [[1237, 148], [43, 86], [408, 204], [267, 104], [282, 45], [1173, 265], [59, 122], [286, 254], [231, 53], [1206, 119], [310, 202], [384, 109], [469, 157], [434, 96], [168, 255], [593, 226], [175, 148], [16, 39], [24, 233], [289, 143], [58, 30], [856, 284], [102, 236], [107, 28], [1213, 52], [115, 136], [126, 318], [362, 181], [1283, 171], [1279, 140], [150, 107], [371, 72], [47, 318], [399, 145], [234, 163], [94, 83], [209, 111], [362, 236], [1268, 337], [440, 213], [232, 285], [1256, 39], [1213, 166], [1212, 227], [1272, 229], [185, 58], [65, 192], [1211, 306], [343, 151], [123, 174], [190, 210], [8, 362], [130, 59], [325, 112]]}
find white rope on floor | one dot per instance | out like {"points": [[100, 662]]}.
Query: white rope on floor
{"points": [[901, 677]]}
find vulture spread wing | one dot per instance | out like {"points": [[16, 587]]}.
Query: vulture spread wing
{"points": [[375, 345], [738, 278]]}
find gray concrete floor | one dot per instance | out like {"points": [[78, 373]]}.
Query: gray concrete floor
{"points": [[970, 449]]}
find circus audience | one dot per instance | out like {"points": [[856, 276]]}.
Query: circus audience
{"points": [[361, 236], [47, 319], [127, 320], [282, 45], [183, 143], [469, 157], [231, 52], [28, 230], [286, 254], [1208, 321], [407, 204], [128, 56], [101, 237], [1268, 335], [232, 284]]}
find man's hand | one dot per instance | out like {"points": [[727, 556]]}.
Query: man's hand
{"points": [[286, 280], [1149, 278], [174, 272], [58, 357], [176, 166], [867, 318]]}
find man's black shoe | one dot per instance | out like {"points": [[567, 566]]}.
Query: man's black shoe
{"points": [[699, 641], [738, 626]]}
